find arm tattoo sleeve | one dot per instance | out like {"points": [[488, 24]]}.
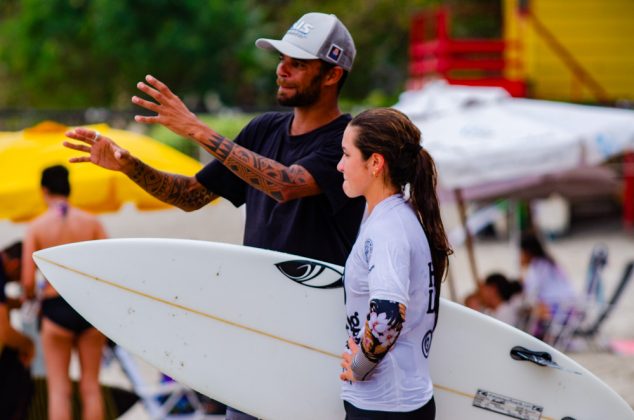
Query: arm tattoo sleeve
{"points": [[177, 190], [382, 328], [280, 182]]}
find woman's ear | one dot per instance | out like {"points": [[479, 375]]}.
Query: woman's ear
{"points": [[377, 163]]}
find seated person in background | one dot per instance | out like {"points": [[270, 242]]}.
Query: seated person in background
{"points": [[546, 287], [16, 349], [474, 301], [503, 298]]}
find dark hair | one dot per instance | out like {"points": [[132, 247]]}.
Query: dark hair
{"points": [[515, 287], [391, 134], [530, 244], [504, 286], [14, 250], [55, 180]]}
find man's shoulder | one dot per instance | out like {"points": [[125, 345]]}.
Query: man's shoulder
{"points": [[263, 127], [330, 134], [338, 124], [271, 118]]}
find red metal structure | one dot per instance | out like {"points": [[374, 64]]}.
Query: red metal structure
{"points": [[473, 62]]}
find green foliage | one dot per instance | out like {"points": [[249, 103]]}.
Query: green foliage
{"points": [[83, 53], [476, 18], [91, 53]]}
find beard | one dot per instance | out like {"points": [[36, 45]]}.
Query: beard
{"points": [[303, 97]]}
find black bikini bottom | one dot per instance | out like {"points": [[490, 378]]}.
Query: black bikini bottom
{"points": [[61, 313]]}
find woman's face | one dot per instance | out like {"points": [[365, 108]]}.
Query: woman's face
{"points": [[357, 175]]}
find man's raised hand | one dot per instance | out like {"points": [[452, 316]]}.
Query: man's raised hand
{"points": [[170, 110]]}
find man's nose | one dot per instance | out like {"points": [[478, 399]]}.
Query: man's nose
{"points": [[282, 69]]}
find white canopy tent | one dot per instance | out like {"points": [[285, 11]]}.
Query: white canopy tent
{"points": [[488, 144], [484, 140]]}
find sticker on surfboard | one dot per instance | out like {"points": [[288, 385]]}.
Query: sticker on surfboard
{"points": [[508, 406], [311, 274]]}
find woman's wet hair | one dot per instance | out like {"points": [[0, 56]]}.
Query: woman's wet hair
{"points": [[392, 134]]}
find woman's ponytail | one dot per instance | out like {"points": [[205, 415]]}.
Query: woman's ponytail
{"points": [[425, 201]]}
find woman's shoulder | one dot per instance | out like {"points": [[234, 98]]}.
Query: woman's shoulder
{"points": [[388, 231], [387, 225], [40, 221], [77, 213], [542, 265]]}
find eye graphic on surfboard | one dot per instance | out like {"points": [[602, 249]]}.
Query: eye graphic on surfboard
{"points": [[311, 274]]}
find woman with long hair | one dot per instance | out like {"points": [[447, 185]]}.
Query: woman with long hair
{"points": [[394, 272]]}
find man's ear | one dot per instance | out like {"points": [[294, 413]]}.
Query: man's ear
{"points": [[333, 76]]}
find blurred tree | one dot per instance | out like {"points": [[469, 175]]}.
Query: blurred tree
{"points": [[476, 18], [82, 53]]}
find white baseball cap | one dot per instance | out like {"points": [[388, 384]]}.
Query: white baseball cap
{"points": [[315, 36]]}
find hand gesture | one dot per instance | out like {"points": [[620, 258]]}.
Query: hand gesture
{"points": [[101, 150], [171, 112], [346, 362]]}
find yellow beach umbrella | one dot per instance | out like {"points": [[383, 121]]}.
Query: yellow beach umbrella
{"points": [[24, 154]]}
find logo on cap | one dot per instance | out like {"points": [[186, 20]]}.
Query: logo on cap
{"points": [[300, 28], [335, 52]]}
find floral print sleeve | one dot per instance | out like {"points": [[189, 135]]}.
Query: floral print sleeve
{"points": [[382, 328], [384, 324]]}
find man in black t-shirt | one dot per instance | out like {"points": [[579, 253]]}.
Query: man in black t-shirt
{"points": [[282, 165], [16, 349]]}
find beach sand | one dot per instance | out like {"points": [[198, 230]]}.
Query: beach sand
{"points": [[222, 222]]}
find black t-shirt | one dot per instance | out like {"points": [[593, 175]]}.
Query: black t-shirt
{"points": [[323, 226]]}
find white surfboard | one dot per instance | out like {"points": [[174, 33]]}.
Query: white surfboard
{"points": [[263, 332]]}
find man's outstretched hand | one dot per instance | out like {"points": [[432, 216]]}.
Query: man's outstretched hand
{"points": [[170, 110]]}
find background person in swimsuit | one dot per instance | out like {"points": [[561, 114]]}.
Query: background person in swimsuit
{"points": [[62, 327]]}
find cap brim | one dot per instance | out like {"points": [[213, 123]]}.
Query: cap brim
{"points": [[285, 48]]}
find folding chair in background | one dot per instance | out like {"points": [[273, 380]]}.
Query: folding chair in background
{"points": [[167, 400], [591, 332], [571, 316]]}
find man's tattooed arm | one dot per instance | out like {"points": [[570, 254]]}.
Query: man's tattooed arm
{"points": [[382, 328], [280, 182], [181, 191]]}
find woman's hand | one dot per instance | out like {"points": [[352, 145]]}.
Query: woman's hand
{"points": [[346, 362]]}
